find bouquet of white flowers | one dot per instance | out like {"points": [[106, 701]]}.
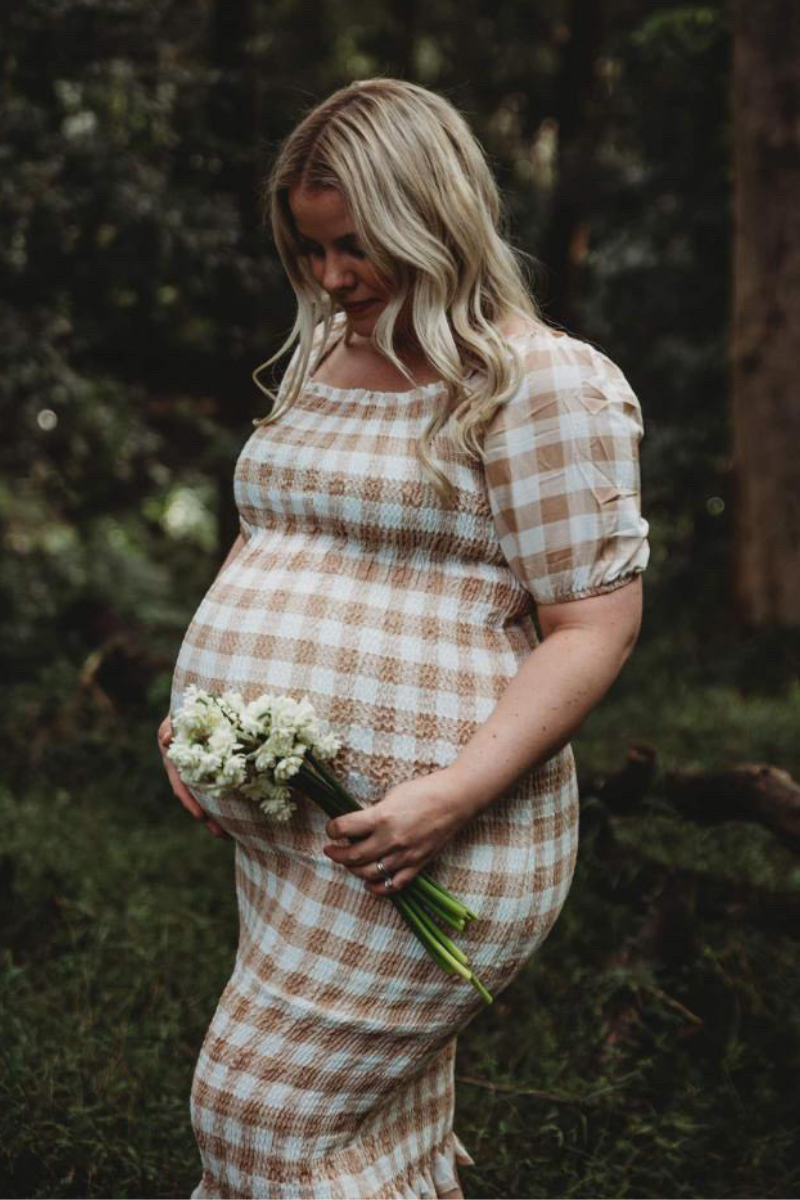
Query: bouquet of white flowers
{"points": [[223, 744]]}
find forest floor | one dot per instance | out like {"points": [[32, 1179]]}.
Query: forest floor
{"points": [[650, 1048]]}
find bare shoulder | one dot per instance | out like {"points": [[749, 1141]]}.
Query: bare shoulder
{"points": [[519, 326], [533, 333]]}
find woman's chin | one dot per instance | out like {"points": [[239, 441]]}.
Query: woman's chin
{"points": [[362, 318]]}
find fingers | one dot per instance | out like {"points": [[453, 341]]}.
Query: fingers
{"points": [[362, 860], [192, 807], [183, 794], [359, 854], [371, 873], [216, 830], [401, 877], [180, 789], [353, 825]]}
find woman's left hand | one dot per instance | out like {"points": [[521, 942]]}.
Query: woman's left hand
{"points": [[404, 831]]}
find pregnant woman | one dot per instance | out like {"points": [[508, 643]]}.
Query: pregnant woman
{"points": [[439, 471]]}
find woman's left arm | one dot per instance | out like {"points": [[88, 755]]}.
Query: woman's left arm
{"points": [[584, 647]]}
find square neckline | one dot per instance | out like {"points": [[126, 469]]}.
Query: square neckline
{"points": [[426, 389]]}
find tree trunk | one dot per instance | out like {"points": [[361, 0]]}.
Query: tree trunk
{"points": [[766, 312], [234, 119], [568, 236]]}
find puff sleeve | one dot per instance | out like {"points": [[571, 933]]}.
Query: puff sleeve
{"points": [[562, 474]]}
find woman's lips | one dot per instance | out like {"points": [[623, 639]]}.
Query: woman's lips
{"points": [[357, 308]]}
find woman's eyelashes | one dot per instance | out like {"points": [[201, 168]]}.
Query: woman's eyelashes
{"points": [[347, 245]]}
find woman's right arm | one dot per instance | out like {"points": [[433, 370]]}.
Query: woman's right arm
{"points": [[165, 737]]}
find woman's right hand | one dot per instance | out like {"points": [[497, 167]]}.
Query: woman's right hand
{"points": [[179, 787]]}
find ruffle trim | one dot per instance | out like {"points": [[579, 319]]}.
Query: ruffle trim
{"points": [[437, 1175], [428, 1179]]}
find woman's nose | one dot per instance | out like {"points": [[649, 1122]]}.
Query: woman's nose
{"points": [[336, 275]]}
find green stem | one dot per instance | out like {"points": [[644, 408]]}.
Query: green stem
{"points": [[436, 932], [438, 953], [422, 935], [433, 905], [485, 995], [320, 793], [444, 898], [330, 778], [432, 941], [468, 913]]}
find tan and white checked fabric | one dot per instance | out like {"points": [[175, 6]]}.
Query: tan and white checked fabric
{"points": [[327, 1070]]}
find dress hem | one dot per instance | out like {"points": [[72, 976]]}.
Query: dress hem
{"points": [[429, 1178]]}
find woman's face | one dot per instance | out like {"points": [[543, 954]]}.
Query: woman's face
{"points": [[328, 240]]}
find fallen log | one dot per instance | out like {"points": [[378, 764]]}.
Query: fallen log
{"points": [[746, 792]]}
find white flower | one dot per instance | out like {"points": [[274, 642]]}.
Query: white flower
{"points": [[260, 709], [191, 759], [278, 805], [224, 743], [232, 771], [264, 760], [253, 726], [233, 701], [256, 789], [223, 740], [209, 763], [182, 754], [327, 746], [305, 720], [297, 716], [280, 742], [198, 715], [274, 801], [289, 766]]}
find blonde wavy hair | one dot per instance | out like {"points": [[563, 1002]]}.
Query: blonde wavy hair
{"points": [[427, 213]]}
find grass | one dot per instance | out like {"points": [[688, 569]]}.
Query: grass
{"points": [[677, 1078], [671, 1053], [123, 935]]}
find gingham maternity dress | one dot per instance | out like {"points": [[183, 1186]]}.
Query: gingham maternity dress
{"points": [[327, 1070]]}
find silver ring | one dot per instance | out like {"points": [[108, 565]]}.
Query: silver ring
{"points": [[387, 878]]}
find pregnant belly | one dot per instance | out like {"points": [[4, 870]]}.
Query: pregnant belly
{"points": [[404, 679], [403, 676]]}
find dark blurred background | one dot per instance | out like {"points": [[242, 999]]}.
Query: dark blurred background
{"points": [[649, 154]]}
